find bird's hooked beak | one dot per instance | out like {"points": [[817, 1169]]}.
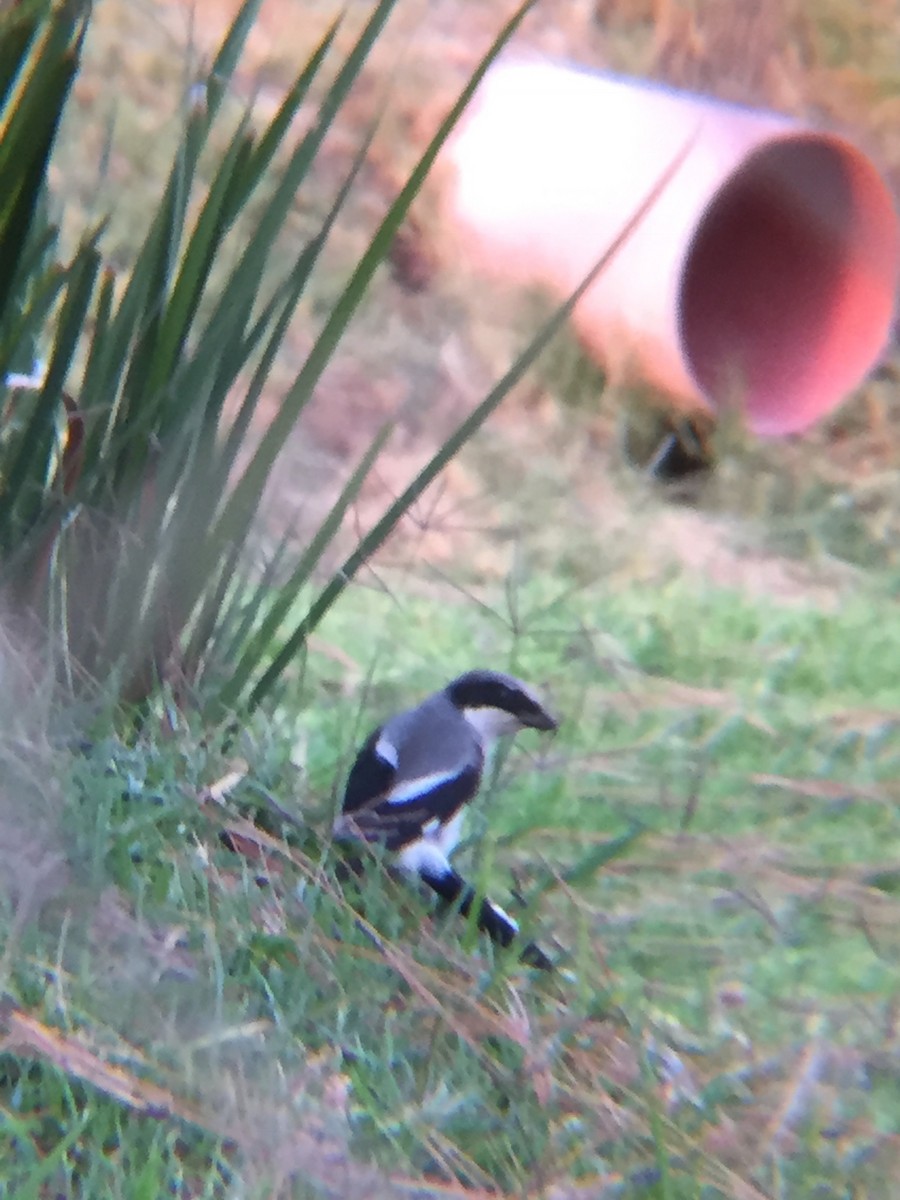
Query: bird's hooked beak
{"points": [[540, 719]]}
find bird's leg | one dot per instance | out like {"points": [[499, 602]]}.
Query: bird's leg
{"points": [[497, 924]]}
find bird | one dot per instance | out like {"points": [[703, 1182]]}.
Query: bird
{"points": [[416, 774]]}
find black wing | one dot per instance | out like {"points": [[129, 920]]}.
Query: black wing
{"points": [[370, 776], [395, 823]]}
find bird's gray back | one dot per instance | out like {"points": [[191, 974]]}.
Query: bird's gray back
{"points": [[432, 738]]}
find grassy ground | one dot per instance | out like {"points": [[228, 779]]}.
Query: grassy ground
{"points": [[196, 1006], [727, 1021]]}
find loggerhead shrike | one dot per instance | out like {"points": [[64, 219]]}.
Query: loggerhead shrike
{"points": [[414, 776]]}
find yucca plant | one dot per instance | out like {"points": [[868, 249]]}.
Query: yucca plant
{"points": [[118, 518], [128, 495], [39, 54]]}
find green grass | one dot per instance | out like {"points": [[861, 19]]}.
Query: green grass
{"points": [[743, 939]]}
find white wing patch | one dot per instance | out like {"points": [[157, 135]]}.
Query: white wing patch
{"points": [[416, 789], [387, 751]]}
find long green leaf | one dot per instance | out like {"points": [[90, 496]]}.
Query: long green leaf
{"points": [[300, 576], [138, 317], [94, 367], [18, 28], [24, 327], [247, 610], [160, 251], [279, 127], [71, 320], [230, 539], [196, 264], [28, 124], [30, 275], [300, 275], [250, 483], [158, 261], [229, 55], [252, 480], [28, 473], [231, 189], [240, 289]]}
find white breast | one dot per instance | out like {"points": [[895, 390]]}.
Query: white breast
{"points": [[490, 724]]}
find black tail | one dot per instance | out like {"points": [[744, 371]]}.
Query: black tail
{"points": [[500, 928]]}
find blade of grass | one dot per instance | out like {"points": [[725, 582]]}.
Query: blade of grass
{"points": [[244, 281], [239, 291], [93, 367]]}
